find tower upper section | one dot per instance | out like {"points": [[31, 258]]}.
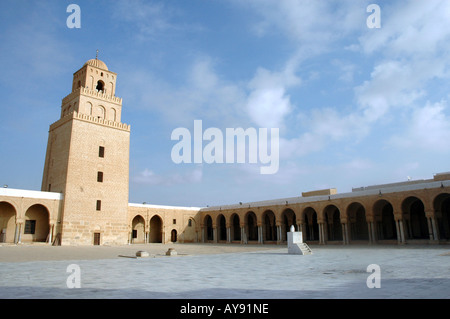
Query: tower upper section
{"points": [[93, 93], [95, 75]]}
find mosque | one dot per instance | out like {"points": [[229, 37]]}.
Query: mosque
{"points": [[85, 187]]}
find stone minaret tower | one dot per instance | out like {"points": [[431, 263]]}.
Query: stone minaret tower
{"points": [[88, 160]]}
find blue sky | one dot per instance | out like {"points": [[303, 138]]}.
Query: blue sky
{"points": [[355, 106]]}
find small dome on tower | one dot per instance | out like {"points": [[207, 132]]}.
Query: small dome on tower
{"points": [[97, 63]]}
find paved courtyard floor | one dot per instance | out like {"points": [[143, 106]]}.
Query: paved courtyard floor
{"points": [[224, 271]]}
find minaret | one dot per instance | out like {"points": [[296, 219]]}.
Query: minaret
{"points": [[88, 160]]}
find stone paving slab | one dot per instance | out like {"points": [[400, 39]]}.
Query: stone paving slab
{"points": [[227, 271]]}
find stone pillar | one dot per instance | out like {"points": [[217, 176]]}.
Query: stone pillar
{"points": [[243, 236], [325, 232], [372, 235], [369, 229], [435, 229], [228, 235], [260, 235], [215, 234], [347, 233], [321, 234], [50, 234], [430, 229], [16, 234], [402, 231], [399, 237], [20, 234], [344, 234], [279, 234]]}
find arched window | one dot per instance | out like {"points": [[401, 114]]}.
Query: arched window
{"points": [[88, 108], [100, 86]]}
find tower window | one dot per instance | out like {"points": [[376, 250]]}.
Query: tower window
{"points": [[100, 177], [174, 221], [99, 205], [100, 86], [101, 151]]}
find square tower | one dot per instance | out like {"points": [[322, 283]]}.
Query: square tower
{"points": [[87, 160]]}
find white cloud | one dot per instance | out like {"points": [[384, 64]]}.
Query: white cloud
{"points": [[410, 29], [347, 70], [428, 128], [398, 79], [151, 178], [268, 103], [392, 83], [412, 42], [149, 19], [202, 94]]}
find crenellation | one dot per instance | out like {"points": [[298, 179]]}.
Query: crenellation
{"points": [[93, 94]]}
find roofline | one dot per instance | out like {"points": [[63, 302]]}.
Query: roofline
{"points": [[13, 192], [358, 193], [162, 206]]}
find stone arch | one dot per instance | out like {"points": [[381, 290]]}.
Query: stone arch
{"points": [[221, 227], [235, 225], [111, 88], [441, 205], [356, 214], [269, 226], [251, 226], [138, 229], [415, 219], [91, 82], [156, 229], [36, 227], [66, 110], [99, 112], [311, 225], [88, 108], [209, 235], [332, 217], [383, 212], [100, 86], [8, 215], [288, 219], [113, 114]]}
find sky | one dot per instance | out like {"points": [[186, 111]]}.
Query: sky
{"points": [[355, 105]]}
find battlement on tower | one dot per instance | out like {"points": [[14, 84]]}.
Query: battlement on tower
{"points": [[91, 119], [92, 93]]}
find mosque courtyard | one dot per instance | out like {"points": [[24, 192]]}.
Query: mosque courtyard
{"points": [[215, 271]]}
